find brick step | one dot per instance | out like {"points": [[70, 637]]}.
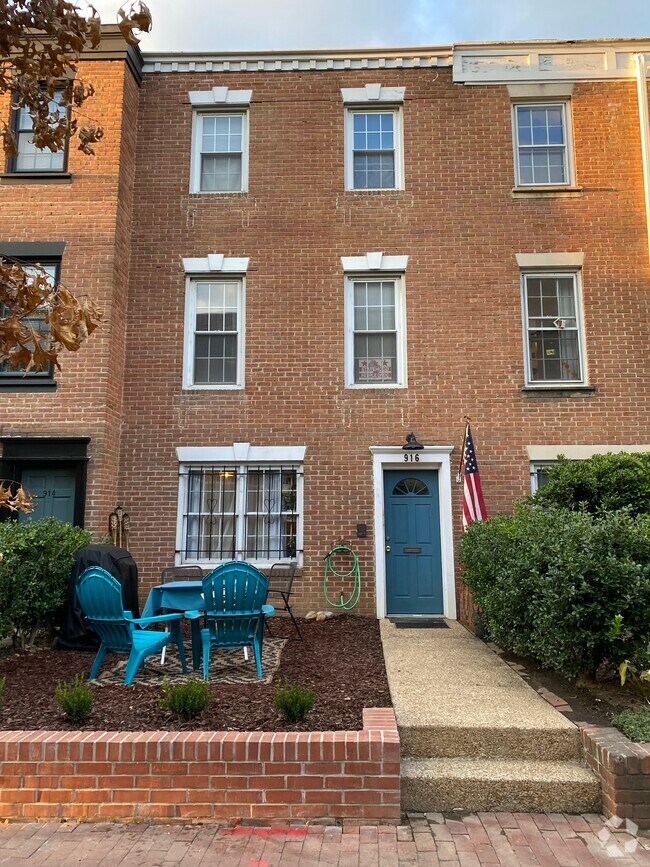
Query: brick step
{"points": [[511, 785], [485, 742]]}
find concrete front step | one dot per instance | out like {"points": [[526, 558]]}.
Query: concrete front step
{"points": [[511, 785], [491, 742]]}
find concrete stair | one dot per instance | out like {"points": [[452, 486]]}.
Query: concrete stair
{"points": [[474, 735], [512, 785], [484, 742]]}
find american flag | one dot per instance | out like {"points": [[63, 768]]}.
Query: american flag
{"points": [[473, 502]]}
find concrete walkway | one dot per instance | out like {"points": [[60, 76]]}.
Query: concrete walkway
{"points": [[474, 734], [466, 840]]}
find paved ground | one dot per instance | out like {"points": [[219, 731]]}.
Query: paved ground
{"points": [[447, 678], [504, 839]]}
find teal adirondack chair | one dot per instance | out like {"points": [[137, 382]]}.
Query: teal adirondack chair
{"points": [[100, 596], [235, 597]]}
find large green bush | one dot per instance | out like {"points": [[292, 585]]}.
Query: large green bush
{"points": [[602, 483], [34, 571], [552, 582]]}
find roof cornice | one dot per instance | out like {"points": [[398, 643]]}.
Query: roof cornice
{"points": [[547, 60], [287, 61], [473, 62]]}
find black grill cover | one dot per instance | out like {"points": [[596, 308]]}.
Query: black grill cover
{"points": [[76, 633]]}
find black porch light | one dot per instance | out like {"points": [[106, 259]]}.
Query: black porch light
{"points": [[412, 445]]}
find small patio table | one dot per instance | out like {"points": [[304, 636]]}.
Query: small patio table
{"points": [[179, 596]]}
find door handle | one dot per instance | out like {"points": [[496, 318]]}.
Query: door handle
{"points": [[387, 548]]}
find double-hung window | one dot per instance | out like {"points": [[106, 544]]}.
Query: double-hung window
{"points": [[220, 152], [29, 158], [554, 343], [374, 150], [373, 158], [214, 338], [375, 331], [43, 375], [539, 475], [543, 144], [240, 511]]}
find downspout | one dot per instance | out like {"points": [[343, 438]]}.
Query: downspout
{"points": [[642, 93]]}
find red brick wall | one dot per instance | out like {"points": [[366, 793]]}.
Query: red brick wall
{"points": [[624, 771], [93, 216], [128, 219], [460, 226], [203, 775]]}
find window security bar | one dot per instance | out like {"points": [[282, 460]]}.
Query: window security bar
{"points": [[240, 512]]}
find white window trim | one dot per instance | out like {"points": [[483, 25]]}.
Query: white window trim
{"points": [[534, 467], [400, 323], [240, 456], [220, 97], [576, 274], [189, 335], [195, 160], [348, 137], [215, 263], [550, 454], [372, 93], [565, 103]]}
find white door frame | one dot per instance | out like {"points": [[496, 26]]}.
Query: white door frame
{"points": [[430, 458]]}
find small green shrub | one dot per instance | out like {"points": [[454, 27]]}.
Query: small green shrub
{"points": [[634, 724], [187, 700], [600, 484], [551, 583], [293, 702], [75, 699], [3, 682], [34, 572]]}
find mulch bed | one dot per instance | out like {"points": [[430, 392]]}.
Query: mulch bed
{"points": [[592, 700], [341, 660]]}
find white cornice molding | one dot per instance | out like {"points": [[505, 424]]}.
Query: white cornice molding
{"points": [[240, 453], [473, 63], [374, 262], [216, 263], [372, 93], [550, 260], [220, 97], [545, 61], [300, 61]]}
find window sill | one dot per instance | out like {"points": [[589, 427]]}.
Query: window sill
{"points": [[208, 565], [13, 178], [208, 389], [550, 192], [375, 192], [25, 385], [224, 194], [382, 386], [558, 390]]}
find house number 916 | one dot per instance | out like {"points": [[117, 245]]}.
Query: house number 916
{"points": [[411, 457]]}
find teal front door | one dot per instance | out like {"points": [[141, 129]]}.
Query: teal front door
{"points": [[412, 542], [53, 490]]}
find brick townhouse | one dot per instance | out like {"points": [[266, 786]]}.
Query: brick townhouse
{"points": [[304, 257]]}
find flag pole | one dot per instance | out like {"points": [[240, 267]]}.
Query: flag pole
{"points": [[459, 474]]}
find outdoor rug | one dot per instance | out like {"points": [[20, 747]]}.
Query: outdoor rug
{"points": [[226, 666]]}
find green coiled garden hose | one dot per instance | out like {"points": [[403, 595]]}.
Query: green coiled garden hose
{"points": [[354, 573]]}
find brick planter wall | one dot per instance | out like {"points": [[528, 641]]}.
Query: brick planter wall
{"points": [[203, 775], [624, 771]]}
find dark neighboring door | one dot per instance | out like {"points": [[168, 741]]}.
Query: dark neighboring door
{"points": [[53, 489], [412, 534]]}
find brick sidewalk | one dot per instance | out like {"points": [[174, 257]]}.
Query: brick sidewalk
{"points": [[467, 840]]}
